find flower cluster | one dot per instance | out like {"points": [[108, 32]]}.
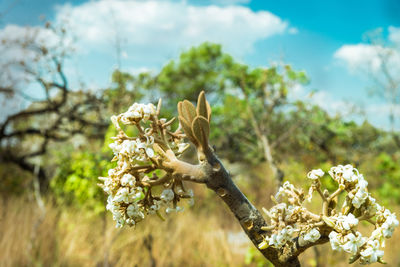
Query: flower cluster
{"points": [[285, 217], [290, 219], [140, 184], [359, 203]]}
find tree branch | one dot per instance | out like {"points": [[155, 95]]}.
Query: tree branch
{"points": [[218, 179]]}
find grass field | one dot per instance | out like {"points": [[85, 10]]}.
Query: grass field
{"points": [[68, 237]]}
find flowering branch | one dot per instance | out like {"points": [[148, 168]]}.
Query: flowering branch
{"points": [[290, 218], [149, 178]]}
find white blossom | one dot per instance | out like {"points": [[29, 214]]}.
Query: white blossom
{"points": [[155, 207], [127, 179], [353, 242], [138, 112], [116, 147], [312, 236], [107, 184], [134, 212], [371, 253], [336, 240], [114, 120], [282, 237], [281, 192], [315, 174], [372, 207], [127, 183], [390, 223], [177, 209], [287, 185], [122, 195], [359, 198], [290, 212], [111, 172], [150, 152], [361, 182], [128, 147], [346, 222], [348, 173], [167, 195]]}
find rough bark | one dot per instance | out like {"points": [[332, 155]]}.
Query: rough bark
{"points": [[250, 219]]}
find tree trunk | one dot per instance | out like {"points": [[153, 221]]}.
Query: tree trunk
{"points": [[248, 216], [276, 172]]}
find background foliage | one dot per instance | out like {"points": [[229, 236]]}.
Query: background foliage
{"points": [[262, 134]]}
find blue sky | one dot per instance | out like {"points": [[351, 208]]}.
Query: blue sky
{"points": [[324, 38]]}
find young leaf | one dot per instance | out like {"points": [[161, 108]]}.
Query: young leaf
{"points": [[187, 128], [202, 105], [201, 130], [188, 111], [180, 108], [208, 111]]}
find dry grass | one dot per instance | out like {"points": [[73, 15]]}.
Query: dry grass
{"points": [[70, 237], [73, 238]]}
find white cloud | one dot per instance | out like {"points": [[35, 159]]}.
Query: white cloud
{"points": [[384, 109], [368, 58], [150, 33], [378, 115], [322, 98], [153, 29], [380, 64], [359, 55], [17, 42], [394, 35], [293, 30], [230, 2]]}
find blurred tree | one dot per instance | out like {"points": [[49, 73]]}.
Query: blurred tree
{"points": [[388, 169], [263, 95], [33, 76], [259, 95], [126, 89], [200, 68], [383, 70], [331, 138], [280, 128], [75, 182]]}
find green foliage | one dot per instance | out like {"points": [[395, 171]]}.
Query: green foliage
{"points": [[233, 89], [125, 90], [234, 141], [76, 178], [260, 108], [200, 68], [302, 136], [13, 180], [388, 167], [254, 258], [297, 131]]}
